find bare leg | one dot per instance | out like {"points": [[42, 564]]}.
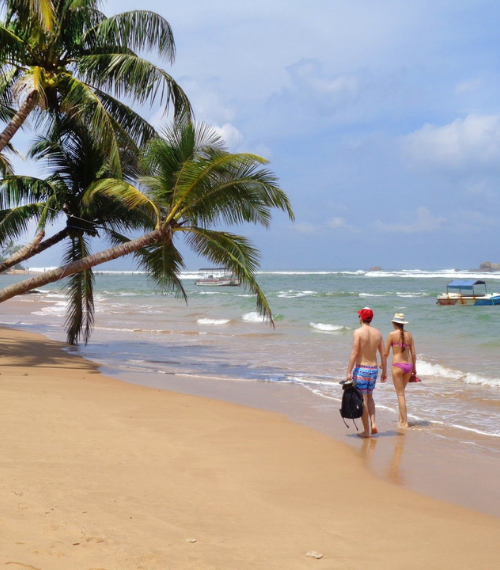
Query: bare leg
{"points": [[400, 381], [365, 418], [371, 412]]}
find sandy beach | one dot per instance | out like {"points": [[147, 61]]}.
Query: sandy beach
{"points": [[97, 474]]}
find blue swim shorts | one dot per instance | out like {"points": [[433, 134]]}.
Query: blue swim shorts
{"points": [[365, 377]]}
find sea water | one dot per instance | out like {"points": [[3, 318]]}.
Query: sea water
{"points": [[219, 336]]}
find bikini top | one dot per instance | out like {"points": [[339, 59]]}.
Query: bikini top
{"points": [[400, 344]]}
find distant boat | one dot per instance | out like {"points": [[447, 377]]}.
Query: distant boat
{"points": [[217, 277], [467, 292]]}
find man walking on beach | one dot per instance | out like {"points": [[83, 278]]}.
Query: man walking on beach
{"points": [[363, 368]]}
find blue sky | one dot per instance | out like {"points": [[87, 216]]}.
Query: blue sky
{"points": [[381, 119]]}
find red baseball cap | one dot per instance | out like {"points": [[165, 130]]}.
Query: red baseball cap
{"points": [[366, 314]]}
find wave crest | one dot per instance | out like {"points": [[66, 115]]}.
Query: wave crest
{"points": [[324, 327]]}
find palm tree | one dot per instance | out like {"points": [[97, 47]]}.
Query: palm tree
{"points": [[76, 164], [73, 60], [189, 184]]}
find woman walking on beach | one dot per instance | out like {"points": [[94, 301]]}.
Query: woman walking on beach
{"points": [[403, 362]]}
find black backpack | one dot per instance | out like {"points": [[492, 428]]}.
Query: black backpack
{"points": [[352, 403]]}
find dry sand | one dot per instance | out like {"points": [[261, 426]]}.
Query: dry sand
{"points": [[96, 474]]}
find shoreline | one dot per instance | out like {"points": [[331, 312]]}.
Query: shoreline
{"points": [[414, 459], [429, 459], [99, 473]]}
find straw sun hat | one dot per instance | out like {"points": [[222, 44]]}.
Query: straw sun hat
{"points": [[399, 318]]}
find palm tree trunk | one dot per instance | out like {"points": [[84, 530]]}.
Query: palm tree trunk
{"points": [[80, 265], [18, 119], [33, 248]]}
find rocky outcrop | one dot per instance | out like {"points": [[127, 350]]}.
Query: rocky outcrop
{"points": [[488, 266]]}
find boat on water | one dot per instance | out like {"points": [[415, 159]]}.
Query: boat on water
{"points": [[467, 292], [217, 277]]}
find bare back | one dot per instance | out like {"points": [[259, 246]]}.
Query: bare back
{"points": [[367, 341], [401, 352]]}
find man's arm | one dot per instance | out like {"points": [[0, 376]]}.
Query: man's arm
{"points": [[356, 348], [383, 357]]}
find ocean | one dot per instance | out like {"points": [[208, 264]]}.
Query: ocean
{"points": [[147, 336]]}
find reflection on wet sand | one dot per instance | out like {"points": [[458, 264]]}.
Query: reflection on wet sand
{"points": [[394, 471]]}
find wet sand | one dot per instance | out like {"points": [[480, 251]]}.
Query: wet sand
{"points": [[100, 474]]}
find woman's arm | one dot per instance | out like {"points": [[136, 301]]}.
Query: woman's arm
{"points": [[413, 355], [388, 347]]}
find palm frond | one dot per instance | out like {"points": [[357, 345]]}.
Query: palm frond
{"points": [[12, 47], [79, 288], [132, 76], [231, 251], [5, 165], [82, 105], [137, 127], [14, 222], [137, 30], [163, 263], [41, 11], [16, 189], [232, 188], [130, 197]]}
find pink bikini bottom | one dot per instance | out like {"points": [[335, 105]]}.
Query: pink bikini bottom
{"points": [[406, 367]]}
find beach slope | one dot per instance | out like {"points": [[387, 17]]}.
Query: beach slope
{"points": [[96, 474]]}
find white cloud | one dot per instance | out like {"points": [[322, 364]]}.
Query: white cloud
{"points": [[304, 228], [230, 135], [425, 222], [338, 223], [480, 188], [312, 85], [463, 144], [469, 86], [208, 99], [309, 74]]}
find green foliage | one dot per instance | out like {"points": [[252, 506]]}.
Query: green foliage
{"points": [[80, 290], [189, 183], [79, 62], [110, 173]]}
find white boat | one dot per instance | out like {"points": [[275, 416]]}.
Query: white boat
{"points": [[217, 277], [467, 292]]}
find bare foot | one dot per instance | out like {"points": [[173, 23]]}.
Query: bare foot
{"points": [[374, 430], [406, 426], [364, 435]]}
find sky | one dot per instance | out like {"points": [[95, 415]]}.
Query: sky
{"points": [[380, 118]]}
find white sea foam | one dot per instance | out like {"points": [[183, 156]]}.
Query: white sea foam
{"points": [[55, 296], [478, 431], [210, 293], [374, 294], [444, 273], [470, 378], [358, 272], [324, 327], [412, 295], [254, 317], [57, 309], [213, 322], [290, 294], [427, 369]]}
